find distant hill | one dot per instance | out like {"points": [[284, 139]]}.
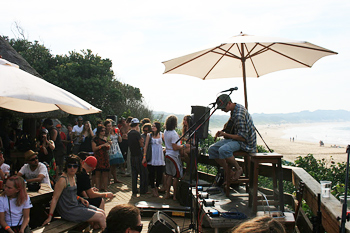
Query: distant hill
{"points": [[303, 117], [217, 121]]}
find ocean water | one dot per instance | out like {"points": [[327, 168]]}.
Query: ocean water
{"points": [[337, 133]]}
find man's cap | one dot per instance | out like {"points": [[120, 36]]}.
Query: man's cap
{"points": [[58, 126], [91, 161], [28, 154], [135, 121], [44, 130], [222, 101], [80, 118]]}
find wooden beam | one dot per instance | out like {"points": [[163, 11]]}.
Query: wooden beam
{"points": [[330, 207]]}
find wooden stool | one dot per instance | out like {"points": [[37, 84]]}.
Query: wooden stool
{"points": [[244, 179], [255, 160]]}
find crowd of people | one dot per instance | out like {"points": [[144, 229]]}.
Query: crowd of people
{"points": [[82, 162]]}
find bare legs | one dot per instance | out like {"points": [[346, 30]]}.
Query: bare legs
{"points": [[104, 181], [101, 179], [98, 179], [168, 181], [227, 164], [99, 218], [114, 173]]}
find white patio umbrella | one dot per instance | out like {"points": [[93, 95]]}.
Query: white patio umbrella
{"points": [[247, 56], [26, 93]]}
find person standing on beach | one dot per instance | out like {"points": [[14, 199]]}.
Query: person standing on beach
{"points": [[239, 134]]}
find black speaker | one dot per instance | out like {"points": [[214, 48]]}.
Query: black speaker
{"points": [[183, 193], [198, 112], [162, 223]]}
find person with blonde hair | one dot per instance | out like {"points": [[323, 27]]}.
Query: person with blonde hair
{"points": [[15, 206], [264, 224]]}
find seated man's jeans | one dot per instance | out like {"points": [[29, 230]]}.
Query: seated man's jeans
{"points": [[223, 149]]}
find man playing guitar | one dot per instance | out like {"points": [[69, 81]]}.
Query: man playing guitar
{"points": [[238, 133]]}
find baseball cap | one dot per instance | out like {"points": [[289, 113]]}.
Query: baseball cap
{"points": [[91, 161], [58, 126], [135, 121], [222, 101]]}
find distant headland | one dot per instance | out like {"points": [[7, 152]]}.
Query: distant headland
{"points": [[217, 121]]}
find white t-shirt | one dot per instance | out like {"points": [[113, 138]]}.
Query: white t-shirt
{"points": [[16, 211], [41, 169], [170, 138], [5, 168], [77, 130]]}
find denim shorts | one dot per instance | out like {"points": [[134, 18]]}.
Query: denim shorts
{"points": [[223, 149]]}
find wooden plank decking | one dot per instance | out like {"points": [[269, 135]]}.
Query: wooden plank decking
{"points": [[123, 195]]}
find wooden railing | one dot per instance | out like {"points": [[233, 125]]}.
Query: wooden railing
{"points": [[330, 207]]}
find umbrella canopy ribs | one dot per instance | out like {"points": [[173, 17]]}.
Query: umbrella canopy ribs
{"points": [[247, 56]]}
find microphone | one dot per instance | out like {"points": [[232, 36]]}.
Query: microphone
{"points": [[231, 89]]}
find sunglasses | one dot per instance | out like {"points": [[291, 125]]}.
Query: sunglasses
{"points": [[137, 228], [33, 159], [72, 165]]}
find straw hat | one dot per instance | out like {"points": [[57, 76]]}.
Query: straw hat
{"points": [[28, 154]]}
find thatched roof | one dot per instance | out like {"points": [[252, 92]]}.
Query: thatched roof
{"points": [[10, 54]]}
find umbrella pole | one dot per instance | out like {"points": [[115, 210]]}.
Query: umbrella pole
{"points": [[244, 77]]}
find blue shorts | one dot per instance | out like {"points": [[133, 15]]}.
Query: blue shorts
{"points": [[223, 149]]}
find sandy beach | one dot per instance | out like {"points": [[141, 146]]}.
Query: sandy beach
{"points": [[290, 150]]}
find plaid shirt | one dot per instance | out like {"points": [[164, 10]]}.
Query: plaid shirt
{"points": [[243, 126]]}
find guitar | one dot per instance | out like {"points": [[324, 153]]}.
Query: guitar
{"points": [[228, 128]]}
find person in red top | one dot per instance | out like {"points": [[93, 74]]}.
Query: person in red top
{"points": [[62, 135]]}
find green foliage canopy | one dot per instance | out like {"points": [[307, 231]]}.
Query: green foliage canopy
{"points": [[86, 75]]}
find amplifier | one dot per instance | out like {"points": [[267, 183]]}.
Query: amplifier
{"points": [[161, 222]]}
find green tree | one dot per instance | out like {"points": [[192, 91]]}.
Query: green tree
{"points": [[86, 75], [37, 55]]}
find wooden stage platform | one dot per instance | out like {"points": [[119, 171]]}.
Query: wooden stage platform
{"points": [[238, 201]]}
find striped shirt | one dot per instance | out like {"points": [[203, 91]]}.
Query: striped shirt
{"points": [[243, 126]]}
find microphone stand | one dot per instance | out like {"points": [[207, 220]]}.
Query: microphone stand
{"points": [[194, 128], [192, 157]]}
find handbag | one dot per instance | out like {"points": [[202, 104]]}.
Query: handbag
{"points": [[149, 149]]}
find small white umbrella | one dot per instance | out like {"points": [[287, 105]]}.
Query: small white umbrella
{"points": [[26, 93], [247, 56]]}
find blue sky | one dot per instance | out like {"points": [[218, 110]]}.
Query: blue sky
{"points": [[138, 35]]}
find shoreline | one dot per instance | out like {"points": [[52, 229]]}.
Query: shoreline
{"points": [[273, 135]]}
